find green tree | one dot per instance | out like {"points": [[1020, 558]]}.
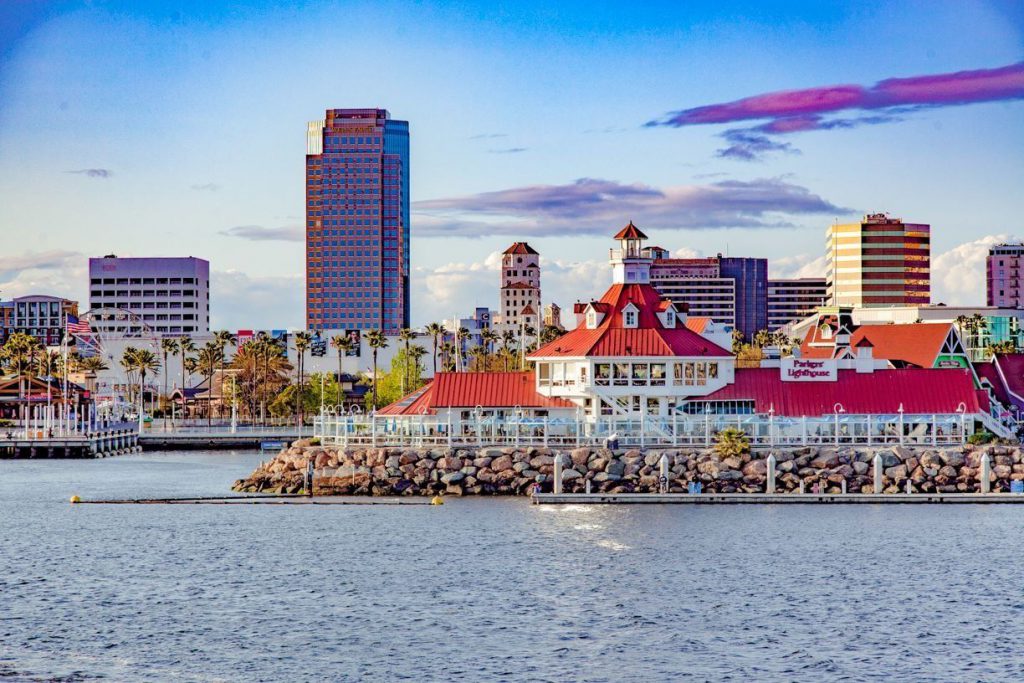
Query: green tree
{"points": [[405, 336], [376, 341], [389, 384], [436, 332], [169, 347], [303, 340]]}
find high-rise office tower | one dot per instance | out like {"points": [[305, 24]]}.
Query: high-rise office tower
{"points": [[880, 261], [1004, 284], [729, 290], [792, 300], [171, 295], [357, 221]]}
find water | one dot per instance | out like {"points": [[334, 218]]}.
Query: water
{"points": [[489, 589]]}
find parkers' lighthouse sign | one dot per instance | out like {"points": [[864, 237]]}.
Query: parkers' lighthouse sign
{"points": [[808, 369]]}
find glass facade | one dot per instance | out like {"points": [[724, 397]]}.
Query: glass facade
{"points": [[357, 222]]}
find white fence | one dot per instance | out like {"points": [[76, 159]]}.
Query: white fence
{"points": [[681, 430]]}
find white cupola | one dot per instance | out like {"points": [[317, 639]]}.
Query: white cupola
{"points": [[630, 266]]}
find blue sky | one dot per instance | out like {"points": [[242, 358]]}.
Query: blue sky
{"points": [[154, 128]]}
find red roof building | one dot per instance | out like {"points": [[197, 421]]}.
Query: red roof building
{"points": [[918, 391], [468, 390], [920, 345]]}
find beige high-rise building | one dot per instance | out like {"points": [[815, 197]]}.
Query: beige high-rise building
{"points": [[880, 261], [520, 289]]}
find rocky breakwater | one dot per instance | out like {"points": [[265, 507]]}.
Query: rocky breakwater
{"points": [[514, 471]]}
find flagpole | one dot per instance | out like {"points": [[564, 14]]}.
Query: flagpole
{"points": [[64, 379]]}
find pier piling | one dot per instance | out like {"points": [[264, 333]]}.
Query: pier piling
{"points": [[878, 473], [770, 483], [986, 474]]}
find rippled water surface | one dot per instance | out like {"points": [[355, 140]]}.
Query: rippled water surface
{"points": [[490, 589]]}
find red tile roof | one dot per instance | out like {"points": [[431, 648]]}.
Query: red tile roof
{"points": [[698, 323], [916, 344], [630, 232], [919, 390], [520, 248], [611, 338], [988, 371], [1010, 368], [471, 389], [518, 285]]}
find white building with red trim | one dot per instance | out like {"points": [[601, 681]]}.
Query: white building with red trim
{"points": [[638, 365]]}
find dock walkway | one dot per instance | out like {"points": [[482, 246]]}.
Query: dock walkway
{"points": [[773, 499]]}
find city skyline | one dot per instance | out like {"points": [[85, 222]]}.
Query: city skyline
{"points": [[135, 137]]}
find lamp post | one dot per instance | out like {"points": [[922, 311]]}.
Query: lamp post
{"points": [[234, 406], [902, 428], [771, 425], [962, 410], [837, 409]]}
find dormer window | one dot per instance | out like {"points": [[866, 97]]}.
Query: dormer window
{"points": [[591, 319], [630, 316], [670, 318], [826, 332]]}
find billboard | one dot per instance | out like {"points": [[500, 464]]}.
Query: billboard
{"points": [[809, 370], [355, 351]]}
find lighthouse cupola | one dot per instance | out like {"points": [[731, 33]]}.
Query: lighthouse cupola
{"points": [[629, 264]]}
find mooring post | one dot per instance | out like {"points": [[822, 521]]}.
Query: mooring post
{"points": [[770, 484], [664, 473], [801, 486], [878, 472], [310, 466], [558, 474], [908, 487], [844, 487], [986, 474], [588, 486]]}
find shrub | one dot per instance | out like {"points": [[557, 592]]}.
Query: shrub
{"points": [[314, 441], [983, 437], [731, 442]]}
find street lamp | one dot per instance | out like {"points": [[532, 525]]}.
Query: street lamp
{"points": [[837, 409], [962, 410], [902, 427]]}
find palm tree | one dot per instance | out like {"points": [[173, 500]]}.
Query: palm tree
{"points": [[223, 339], [343, 343], [303, 340], [448, 350], [260, 368], [377, 341], [436, 331], [405, 335], [208, 360], [145, 362], [169, 347], [488, 337], [416, 352], [479, 354], [508, 340], [461, 335], [185, 347]]}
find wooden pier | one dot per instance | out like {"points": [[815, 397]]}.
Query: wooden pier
{"points": [[264, 499], [775, 498], [99, 444]]}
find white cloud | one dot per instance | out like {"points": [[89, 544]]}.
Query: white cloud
{"points": [[242, 301], [54, 272], [958, 275], [797, 266], [685, 252], [457, 288]]}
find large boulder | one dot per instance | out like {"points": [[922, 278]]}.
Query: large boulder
{"points": [[501, 463]]}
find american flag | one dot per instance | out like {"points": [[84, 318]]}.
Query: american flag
{"points": [[78, 327]]}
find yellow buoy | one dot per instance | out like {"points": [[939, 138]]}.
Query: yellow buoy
{"points": [[76, 499], [437, 500]]}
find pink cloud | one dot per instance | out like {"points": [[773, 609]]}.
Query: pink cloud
{"points": [[796, 108]]}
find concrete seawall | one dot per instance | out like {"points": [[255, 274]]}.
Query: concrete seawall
{"points": [[516, 471]]}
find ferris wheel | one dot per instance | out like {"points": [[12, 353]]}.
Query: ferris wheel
{"points": [[105, 330]]}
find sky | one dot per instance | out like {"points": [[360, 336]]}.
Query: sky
{"points": [[176, 128]]}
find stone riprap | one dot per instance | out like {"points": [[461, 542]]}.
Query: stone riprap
{"points": [[514, 471]]}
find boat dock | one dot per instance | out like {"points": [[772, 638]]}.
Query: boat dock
{"points": [[215, 439], [775, 498], [265, 499], [98, 444]]}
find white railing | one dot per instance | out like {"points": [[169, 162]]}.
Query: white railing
{"points": [[449, 429]]}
